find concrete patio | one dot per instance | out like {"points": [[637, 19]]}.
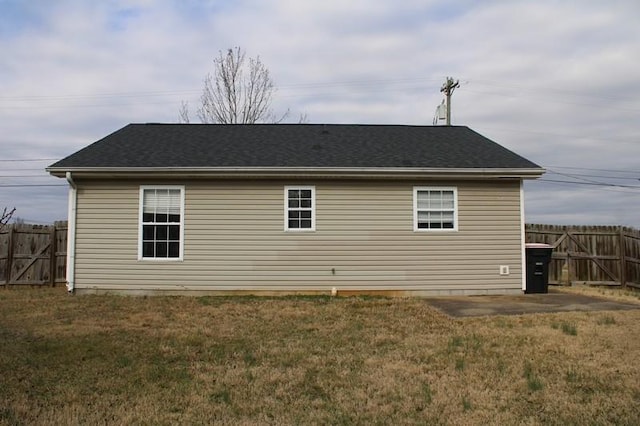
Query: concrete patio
{"points": [[554, 301]]}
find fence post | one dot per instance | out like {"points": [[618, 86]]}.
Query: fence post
{"points": [[623, 260], [9, 257], [569, 265], [52, 256]]}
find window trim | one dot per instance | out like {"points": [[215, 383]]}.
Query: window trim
{"points": [[287, 208], [435, 188], [140, 223]]}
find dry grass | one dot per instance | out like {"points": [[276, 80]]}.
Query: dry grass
{"points": [[614, 293], [170, 360]]}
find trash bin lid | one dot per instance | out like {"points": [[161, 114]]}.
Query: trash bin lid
{"points": [[538, 245]]}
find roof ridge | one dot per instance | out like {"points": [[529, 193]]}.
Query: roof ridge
{"points": [[299, 125]]}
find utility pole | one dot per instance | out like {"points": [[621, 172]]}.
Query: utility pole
{"points": [[447, 88]]}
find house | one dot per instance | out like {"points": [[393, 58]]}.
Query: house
{"points": [[297, 209]]}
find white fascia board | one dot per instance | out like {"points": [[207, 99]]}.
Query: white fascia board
{"points": [[361, 172]]}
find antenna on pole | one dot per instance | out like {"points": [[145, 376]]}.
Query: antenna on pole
{"points": [[447, 88]]}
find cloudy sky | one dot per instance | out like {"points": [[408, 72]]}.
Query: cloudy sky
{"points": [[556, 81]]}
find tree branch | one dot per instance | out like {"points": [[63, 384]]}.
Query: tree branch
{"points": [[6, 216]]}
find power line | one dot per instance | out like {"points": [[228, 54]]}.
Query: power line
{"points": [[27, 159], [565, 136], [25, 176], [373, 83], [592, 188], [538, 90], [578, 178], [22, 185], [105, 105], [612, 185], [368, 84], [22, 170], [552, 100], [597, 170], [97, 95], [578, 175]]}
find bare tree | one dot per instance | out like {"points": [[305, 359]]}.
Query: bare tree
{"points": [[6, 216], [238, 92], [183, 113]]}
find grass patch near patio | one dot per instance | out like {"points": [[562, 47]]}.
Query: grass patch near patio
{"points": [[246, 360]]}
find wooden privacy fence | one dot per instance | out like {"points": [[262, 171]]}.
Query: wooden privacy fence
{"points": [[595, 255], [33, 254]]}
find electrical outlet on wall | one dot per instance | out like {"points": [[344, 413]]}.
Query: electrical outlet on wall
{"points": [[504, 269]]}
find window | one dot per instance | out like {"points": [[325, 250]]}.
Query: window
{"points": [[435, 209], [161, 223], [299, 208]]}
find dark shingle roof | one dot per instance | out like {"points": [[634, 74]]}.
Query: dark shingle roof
{"points": [[294, 145]]}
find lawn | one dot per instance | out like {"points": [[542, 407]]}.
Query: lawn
{"points": [[308, 360]]}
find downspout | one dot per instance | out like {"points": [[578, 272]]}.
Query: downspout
{"points": [[71, 233], [523, 239]]}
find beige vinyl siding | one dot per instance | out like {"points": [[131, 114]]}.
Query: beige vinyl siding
{"points": [[364, 239]]}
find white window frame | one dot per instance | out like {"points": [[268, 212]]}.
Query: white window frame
{"points": [[140, 223], [287, 209], [435, 188]]}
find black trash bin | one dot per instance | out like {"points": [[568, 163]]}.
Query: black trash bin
{"points": [[538, 259]]}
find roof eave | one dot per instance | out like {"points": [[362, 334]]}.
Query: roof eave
{"points": [[352, 172]]}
